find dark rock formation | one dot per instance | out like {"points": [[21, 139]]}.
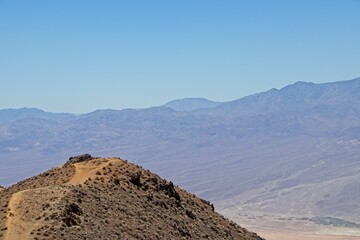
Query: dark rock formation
{"points": [[80, 158]]}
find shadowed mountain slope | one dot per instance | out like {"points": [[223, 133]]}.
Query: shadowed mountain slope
{"points": [[108, 198]]}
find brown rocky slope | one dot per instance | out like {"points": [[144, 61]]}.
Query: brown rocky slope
{"points": [[108, 198]]}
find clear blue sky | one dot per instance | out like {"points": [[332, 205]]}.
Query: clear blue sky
{"points": [[82, 55]]}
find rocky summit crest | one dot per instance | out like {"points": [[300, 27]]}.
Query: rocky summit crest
{"points": [[80, 158]]}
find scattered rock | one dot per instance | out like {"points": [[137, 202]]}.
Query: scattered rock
{"points": [[135, 179], [209, 204], [169, 190], [71, 215]]}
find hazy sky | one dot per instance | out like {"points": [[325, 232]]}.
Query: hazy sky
{"points": [[82, 55]]}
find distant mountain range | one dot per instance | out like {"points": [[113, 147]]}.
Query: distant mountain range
{"points": [[292, 151]]}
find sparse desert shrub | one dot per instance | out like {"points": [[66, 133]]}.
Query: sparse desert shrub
{"points": [[116, 182], [145, 187], [190, 214], [150, 196], [209, 204], [161, 204]]}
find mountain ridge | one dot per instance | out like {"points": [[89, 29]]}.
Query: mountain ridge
{"points": [[293, 96], [271, 92], [13, 114], [260, 152]]}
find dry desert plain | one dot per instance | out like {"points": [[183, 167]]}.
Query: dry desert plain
{"points": [[272, 228]]}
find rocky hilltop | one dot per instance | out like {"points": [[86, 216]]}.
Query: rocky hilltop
{"points": [[108, 198]]}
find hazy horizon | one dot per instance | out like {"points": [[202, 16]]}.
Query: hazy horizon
{"points": [[158, 105]]}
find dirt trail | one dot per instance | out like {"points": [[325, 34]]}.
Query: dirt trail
{"points": [[86, 170], [17, 227], [20, 221]]}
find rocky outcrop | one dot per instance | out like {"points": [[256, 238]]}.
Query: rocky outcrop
{"points": [[80, 158], [71, 215]]}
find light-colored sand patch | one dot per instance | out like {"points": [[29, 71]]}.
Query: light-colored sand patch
{"points": [[20, 221], [88, 169], [292, 235]]}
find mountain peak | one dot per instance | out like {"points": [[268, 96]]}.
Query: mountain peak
{"points": [[108, 198], [14, 114], [189, 104]]}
